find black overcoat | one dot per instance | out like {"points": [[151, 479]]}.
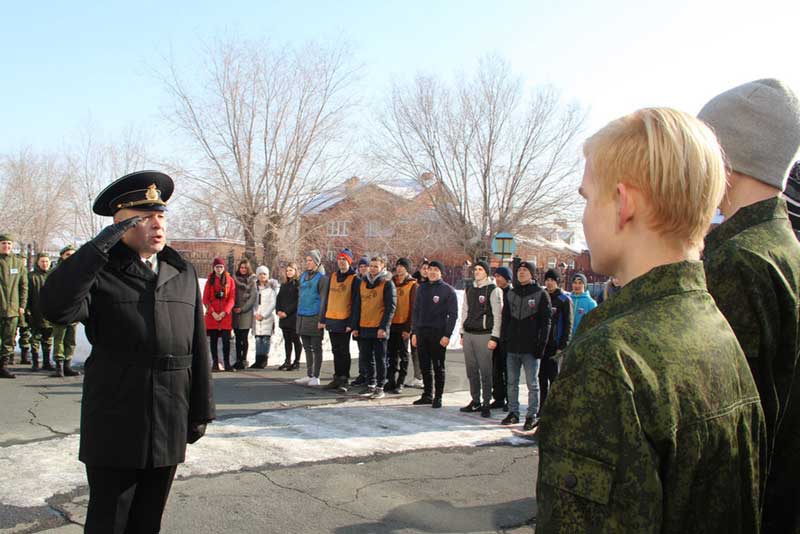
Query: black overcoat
{"points": [[149, 372]]}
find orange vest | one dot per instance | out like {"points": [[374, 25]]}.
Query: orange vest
{"points": [[403, 309], [371, 305], [339, 297]]}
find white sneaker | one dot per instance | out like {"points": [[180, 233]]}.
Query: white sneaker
{"points": [[314, 381], [303, 381], [416, 383]]}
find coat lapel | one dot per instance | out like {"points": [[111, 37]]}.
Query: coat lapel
{"points": [[166, 272]]}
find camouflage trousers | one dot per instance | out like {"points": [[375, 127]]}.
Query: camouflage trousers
{"points": [[63, 342], [42, 337], [24, 335], [8, 334]]}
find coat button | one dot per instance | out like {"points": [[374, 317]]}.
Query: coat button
{"points": [[570, 481]]}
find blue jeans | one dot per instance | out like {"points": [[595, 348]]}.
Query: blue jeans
{"points": [[373, 353], [514, 361], [262, 345]]}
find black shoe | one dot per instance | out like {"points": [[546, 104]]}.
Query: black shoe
{"points": [[59, 370], [423, 400], [333, 384], [285, 366], [68, 370], [398, 390], [486, 412], [5, 373], [359, 381], [505, 407], [295, 366], [437, 403], [511, 419], [530, 423], [239, 365], [35, 361], [24, 356], [471, 407], [229, 368], [260, 363], [389, 386], [496, 405]]}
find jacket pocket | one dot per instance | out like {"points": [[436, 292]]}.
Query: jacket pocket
{"points": [[579, 475]]}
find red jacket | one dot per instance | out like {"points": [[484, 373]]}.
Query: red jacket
{"points": [[225, 304]]}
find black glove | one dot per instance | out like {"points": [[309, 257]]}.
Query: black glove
{"points": [[110, 235], [195, 432]]}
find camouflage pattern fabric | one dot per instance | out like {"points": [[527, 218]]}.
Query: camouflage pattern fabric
{"points": [[13, 285], [24, 339], [8, 334], [752, 262], [653, 425], [42, 337], [64, 342]]}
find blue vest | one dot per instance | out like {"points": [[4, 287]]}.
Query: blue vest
{"points": [[310, 300]]}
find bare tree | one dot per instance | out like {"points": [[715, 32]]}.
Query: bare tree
{"points": [[268, 127], [92, 164], [33, 204], [492, 157]]}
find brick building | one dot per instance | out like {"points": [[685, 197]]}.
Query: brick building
{"points": [[202, 251]]}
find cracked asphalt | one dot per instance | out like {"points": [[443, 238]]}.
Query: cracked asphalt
{"points": [[442, 490]]}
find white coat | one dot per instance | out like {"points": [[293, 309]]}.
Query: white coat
{"points": [[265, 306]]}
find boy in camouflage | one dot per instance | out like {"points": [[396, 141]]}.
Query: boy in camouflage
{"points": [[13, 297], [752, 262], [653, 424], [41, 329], [64, 335]]}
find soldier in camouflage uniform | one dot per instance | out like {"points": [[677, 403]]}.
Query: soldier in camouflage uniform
{"points": [[653, 425], [752, 262], [25, 333], [41, 329], [64, 335], [13, 296]]}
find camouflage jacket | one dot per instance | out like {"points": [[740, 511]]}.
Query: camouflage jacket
{"points": [[653, 425], [33, 308], [752, 263], [13, 285]]}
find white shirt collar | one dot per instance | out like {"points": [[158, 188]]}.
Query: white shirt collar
{"points": [[154, 261]]}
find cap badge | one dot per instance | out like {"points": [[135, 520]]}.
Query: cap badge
{"points": [[152, 193]]}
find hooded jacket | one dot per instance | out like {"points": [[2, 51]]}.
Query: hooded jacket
{"points": [[374, 305], [482, 309], [435, 309], [561, 324], [219, 285], [581, 304], [266, 297], [245, 300]]}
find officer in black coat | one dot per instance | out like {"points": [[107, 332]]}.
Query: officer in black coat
{"points": [[147, 388]]}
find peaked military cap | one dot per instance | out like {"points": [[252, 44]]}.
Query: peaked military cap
{"points": [[141, 190]]}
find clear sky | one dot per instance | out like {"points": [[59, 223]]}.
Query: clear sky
{"points": [[64, 62]]}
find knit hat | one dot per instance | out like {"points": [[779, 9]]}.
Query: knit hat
{"points": [[758, 127], [505, 272], [6, 236], [363, 261], [581, 277], [316, 256], [262, 269], [436, 263], [218, 261], [405, 263], [63, 250], [345, 254], [530, 266], [483, 265], [42, 255], [552, 274]]}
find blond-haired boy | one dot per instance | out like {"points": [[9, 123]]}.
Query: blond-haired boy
{"points": [[654, 424]]}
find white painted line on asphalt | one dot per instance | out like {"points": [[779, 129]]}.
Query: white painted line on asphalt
{"points": [[32, 473]]}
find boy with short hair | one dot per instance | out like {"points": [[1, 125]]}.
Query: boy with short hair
{"points": [[654, 423]]}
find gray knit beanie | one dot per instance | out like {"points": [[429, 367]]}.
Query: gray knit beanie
{"points": [[316, 256], [758, 127]]}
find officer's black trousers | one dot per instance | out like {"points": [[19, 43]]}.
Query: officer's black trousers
{"points": [[127, 501], [431, 354]]}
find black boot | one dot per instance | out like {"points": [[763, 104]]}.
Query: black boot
{"points": [[35, 358], [5, 373], [46, 365], [68, 370], [215, 368], [260, 363], [59, 370], [24, 357], [295, 365], [285, 366]]}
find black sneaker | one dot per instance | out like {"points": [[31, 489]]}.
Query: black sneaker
{"points": [[422, 400], [359, 381], [471, 407], [333, 384], [496, 405], [398, 390], [437, 403], [486, 412], [367, 391], [530, 423], [511, 419]]}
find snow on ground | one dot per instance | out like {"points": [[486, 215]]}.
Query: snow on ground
{"points": [[32, 473]]}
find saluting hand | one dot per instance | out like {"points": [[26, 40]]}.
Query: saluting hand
{"points": [[110, 235]]}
